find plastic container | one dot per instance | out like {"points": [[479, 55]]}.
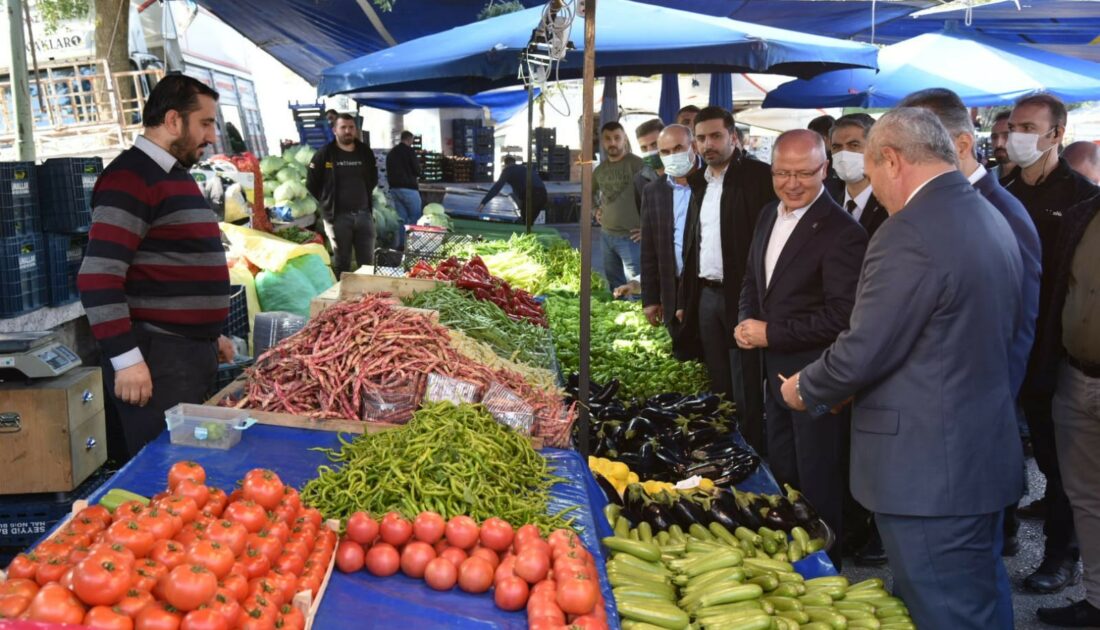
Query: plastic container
{"points": [[65, 193], [18, 199], [64, 254], [206, 426], [22, 274]]}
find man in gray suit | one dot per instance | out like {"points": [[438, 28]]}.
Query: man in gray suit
{"points": [[935, 453]]}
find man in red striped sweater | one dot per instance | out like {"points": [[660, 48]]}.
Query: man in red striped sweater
{"points": [[154, 282]]}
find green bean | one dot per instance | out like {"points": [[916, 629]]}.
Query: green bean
{"points": [[451, 459]]}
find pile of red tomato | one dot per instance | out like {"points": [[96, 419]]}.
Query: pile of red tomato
{"points": [[554, 578], [194, 559]]}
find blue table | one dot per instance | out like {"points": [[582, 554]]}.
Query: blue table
{"points": [[361, 600]]}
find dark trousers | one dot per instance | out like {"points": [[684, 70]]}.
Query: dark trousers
{"points": [[1058, 527], [730, 368], [183, 370], [949, 570], [347, 230], [808, 453], [538, 201]]}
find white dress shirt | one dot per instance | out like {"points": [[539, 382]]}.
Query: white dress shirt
{"points": [[785, 223], [861, 201], [977, 175], [710, 228]]}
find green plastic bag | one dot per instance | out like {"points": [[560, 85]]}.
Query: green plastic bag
{"points": [[302, 279]]}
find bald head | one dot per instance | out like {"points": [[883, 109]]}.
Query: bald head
{"points": [[1084, 157], [800, 141], [798, 167], [677, 148]]}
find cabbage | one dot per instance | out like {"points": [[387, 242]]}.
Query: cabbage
{"points": [[304, 155], [284, 193], [309, 204], [271, 165], [286, 175], [269, 202]]}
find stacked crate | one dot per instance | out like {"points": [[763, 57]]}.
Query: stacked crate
{"points": [[22, 252], [458, 169], [551, 160], [475, 141], [65, 203]]}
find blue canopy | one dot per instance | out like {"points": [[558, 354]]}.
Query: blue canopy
{"points": [[502, 104], [670, 98], [982, 70], [631, 39], [721, 90]]}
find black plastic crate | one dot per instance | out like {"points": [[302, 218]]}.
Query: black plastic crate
{"points": [[65, 193], [25, 518], [18, 199], [228, 372], [64, 253], [22, 274], [236, 325]]}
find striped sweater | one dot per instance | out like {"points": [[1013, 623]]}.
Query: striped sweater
{"points": [[154, 254]]}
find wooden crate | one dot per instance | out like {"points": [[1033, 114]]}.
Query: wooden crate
{"points": [[355, 285]]}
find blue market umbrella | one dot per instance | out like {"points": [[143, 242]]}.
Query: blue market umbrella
{"points": [[632, 39], [721, 90], [983, 70], [502, 104], [670, 97]]}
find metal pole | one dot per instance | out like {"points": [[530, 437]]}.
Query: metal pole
{"points": [[34, 58], [586, 218], [528, 219], [21, 91]]}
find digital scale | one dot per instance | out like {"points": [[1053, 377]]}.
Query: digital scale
{"points": [[34, 355]]}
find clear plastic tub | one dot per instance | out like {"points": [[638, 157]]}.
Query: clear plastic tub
{"points": [[207, 426]]}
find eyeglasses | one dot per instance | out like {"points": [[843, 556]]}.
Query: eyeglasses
{"points": [[802, 176]]}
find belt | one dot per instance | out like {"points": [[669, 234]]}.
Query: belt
{"points": [[711, 284], [1091, 370]]}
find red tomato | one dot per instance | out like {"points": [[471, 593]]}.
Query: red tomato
{"points": [[383, 560], [129, 510], [82, 523], [183, 507], [415, 558], [236, 584], [362, 528], [285, 582], [532, 565], [257, 614], [511, 594], [50, 571], [310, 583], [487, 555], [264, 487], [228, 534], [196, 491], [185, 470], [204, 619], [496, 534], [349, 557], [169, 553], [265, 588], [96, 513], [248, 513], [255, 563], [292, 499], [506, 569], [589, 622], [475, 575], [158, 616], [542, 604], [290, 562], [265, 544], [226, 605], [159, 523], [114, 552], [55, 604], [395, 530], [455, 555], [216, 501], [313, 516], [107, 618], [428, 527], [134, 601], [462, 532], [11, 606], [23, 566], [188, 586], [218, 559], [577, 594], [290, 618], [526, 534], [565, 537], [440, 574], [18, 586], [99, 582]]}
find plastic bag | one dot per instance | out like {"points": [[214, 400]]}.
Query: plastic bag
{"points": [[442, 388], [292, 289], [273, 327], [267, 251], [236, 206], [509, 409], [394, 406]]}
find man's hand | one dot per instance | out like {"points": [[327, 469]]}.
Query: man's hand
{"points": [[636, 235], [226, 350], [630, 288], [134, 385], [680, 315], [751, 333], [790, 392], [480, 206], [655, 314]]}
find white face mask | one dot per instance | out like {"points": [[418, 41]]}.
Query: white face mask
{"points": [[848, 166], [678, 164], [1023, 148]]}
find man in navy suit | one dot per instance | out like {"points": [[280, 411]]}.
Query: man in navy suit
{"points": [[927, 359], [796, 297]]}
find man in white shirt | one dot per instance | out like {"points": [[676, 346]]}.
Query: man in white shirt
{"points": [[848, 139], [796, 298]]}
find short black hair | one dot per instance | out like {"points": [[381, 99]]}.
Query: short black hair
{"points": [[332, 111], [407, 135], [688, 108], [858, 119], [713, 112], [611, 126], [648, 127], [822, 125], [345, 117], [1002, 115], [174, 92], [509, 160]]}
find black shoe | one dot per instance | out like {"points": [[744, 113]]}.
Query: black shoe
{"points": [[1034, 511], [1079, 615], [872, 554], [1052, 576], [1011, 546]]}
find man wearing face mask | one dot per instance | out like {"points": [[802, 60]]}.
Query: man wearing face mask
{"points": [[154, 281], [848, 138], [617, 206], [647, 133], [664, 218], [1047, 186]]}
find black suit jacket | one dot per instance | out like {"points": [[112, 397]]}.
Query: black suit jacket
{"points": [[874, 214], [659, 281], [813, 287], [746, 189]]}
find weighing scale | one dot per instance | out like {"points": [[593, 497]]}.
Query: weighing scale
{"points": [[34, 355]]}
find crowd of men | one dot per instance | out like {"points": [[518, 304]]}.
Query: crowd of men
{"points": [[895, 318]]}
